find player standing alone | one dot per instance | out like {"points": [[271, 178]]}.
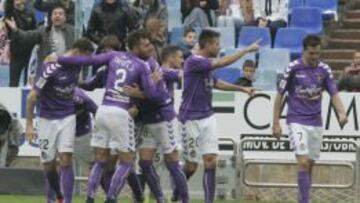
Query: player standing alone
{"points": [[304, 81], [196, 112]]}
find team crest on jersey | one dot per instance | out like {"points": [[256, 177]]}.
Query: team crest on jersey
{"points": [[319, 77]]}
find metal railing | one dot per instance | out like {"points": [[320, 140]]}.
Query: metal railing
{"points": [[243, 163]]}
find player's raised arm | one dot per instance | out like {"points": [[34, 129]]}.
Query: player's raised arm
{"points": [[227, 60], [93, 60]]}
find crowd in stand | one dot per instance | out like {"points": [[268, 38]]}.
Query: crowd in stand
{"points": [[120, 17]]}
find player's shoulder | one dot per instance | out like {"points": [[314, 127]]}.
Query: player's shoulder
{"points": [[324, 66], [49, 69]]}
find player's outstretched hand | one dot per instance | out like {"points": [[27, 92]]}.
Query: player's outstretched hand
{"points": [[343, 120], [276, 130], [254, 46], [250, 91], [30, 134]]}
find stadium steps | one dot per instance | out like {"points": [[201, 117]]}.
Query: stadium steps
{"points": [[351, 23], [346, 34], [337, 64], [344, 43], [353, 14], [337, 54]]}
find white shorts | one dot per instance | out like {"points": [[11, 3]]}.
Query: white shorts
{"points": [[56, 136], [306, 140], [114, 129], [82, 150], [162, 136], [199, 138]]}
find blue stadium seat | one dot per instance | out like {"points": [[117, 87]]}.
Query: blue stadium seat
{"points": [[266, 80], [174, 19], [227, 38], [39, 16], [227, 74], [308, 18], [274, 59], [239, 63], [290, 38], [250, 34], [295, 4], [327, 7], [4, 75], [176, 35]]}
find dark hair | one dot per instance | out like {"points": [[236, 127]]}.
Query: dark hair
{"points": [[55, 6], [312, 41], [134, 38], [9, 8], [249, 63], [168, 51], [188, 30], [110, 41], [83, 44], [207, 36]]}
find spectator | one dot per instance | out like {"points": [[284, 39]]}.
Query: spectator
{"points": [[157, 29], [188, 43], [57, 37], [152, 9], [110, 17], [236, 13], [350, 79], [197, 17], [272, 14], [248, 71], [10, 132], [47, 5], [24, 18], [207, 6]]}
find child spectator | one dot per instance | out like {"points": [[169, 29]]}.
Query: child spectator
{"points": [[248, 72], [188, 42]]}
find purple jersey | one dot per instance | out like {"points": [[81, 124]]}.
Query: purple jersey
{"points": [[153, 112], [85, 109], [305, 86], [198, 84], [55, 86], [124, 68]]}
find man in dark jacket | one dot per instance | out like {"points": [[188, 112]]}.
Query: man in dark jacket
{"points": [[56, 38], [25, 20], [110, 17], [46, 6]]}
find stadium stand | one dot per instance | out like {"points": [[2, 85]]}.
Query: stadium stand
{"points": [[290, 38], [250, 34], [307, 18]]}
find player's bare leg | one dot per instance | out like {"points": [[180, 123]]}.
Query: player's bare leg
{"points": [[101, 158], [304, 180], [66, 175], [53, 179], [151, 176]]}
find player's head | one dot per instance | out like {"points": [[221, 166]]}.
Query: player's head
{"points": [[82, 46], [173, 56], [58, 15], [139, 43], [190, 37], [209, 42], [356, 58], [312, 48], [109, 43], [248, 69]]}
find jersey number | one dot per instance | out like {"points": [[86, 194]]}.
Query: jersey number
{"points": [[121, 77]]}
